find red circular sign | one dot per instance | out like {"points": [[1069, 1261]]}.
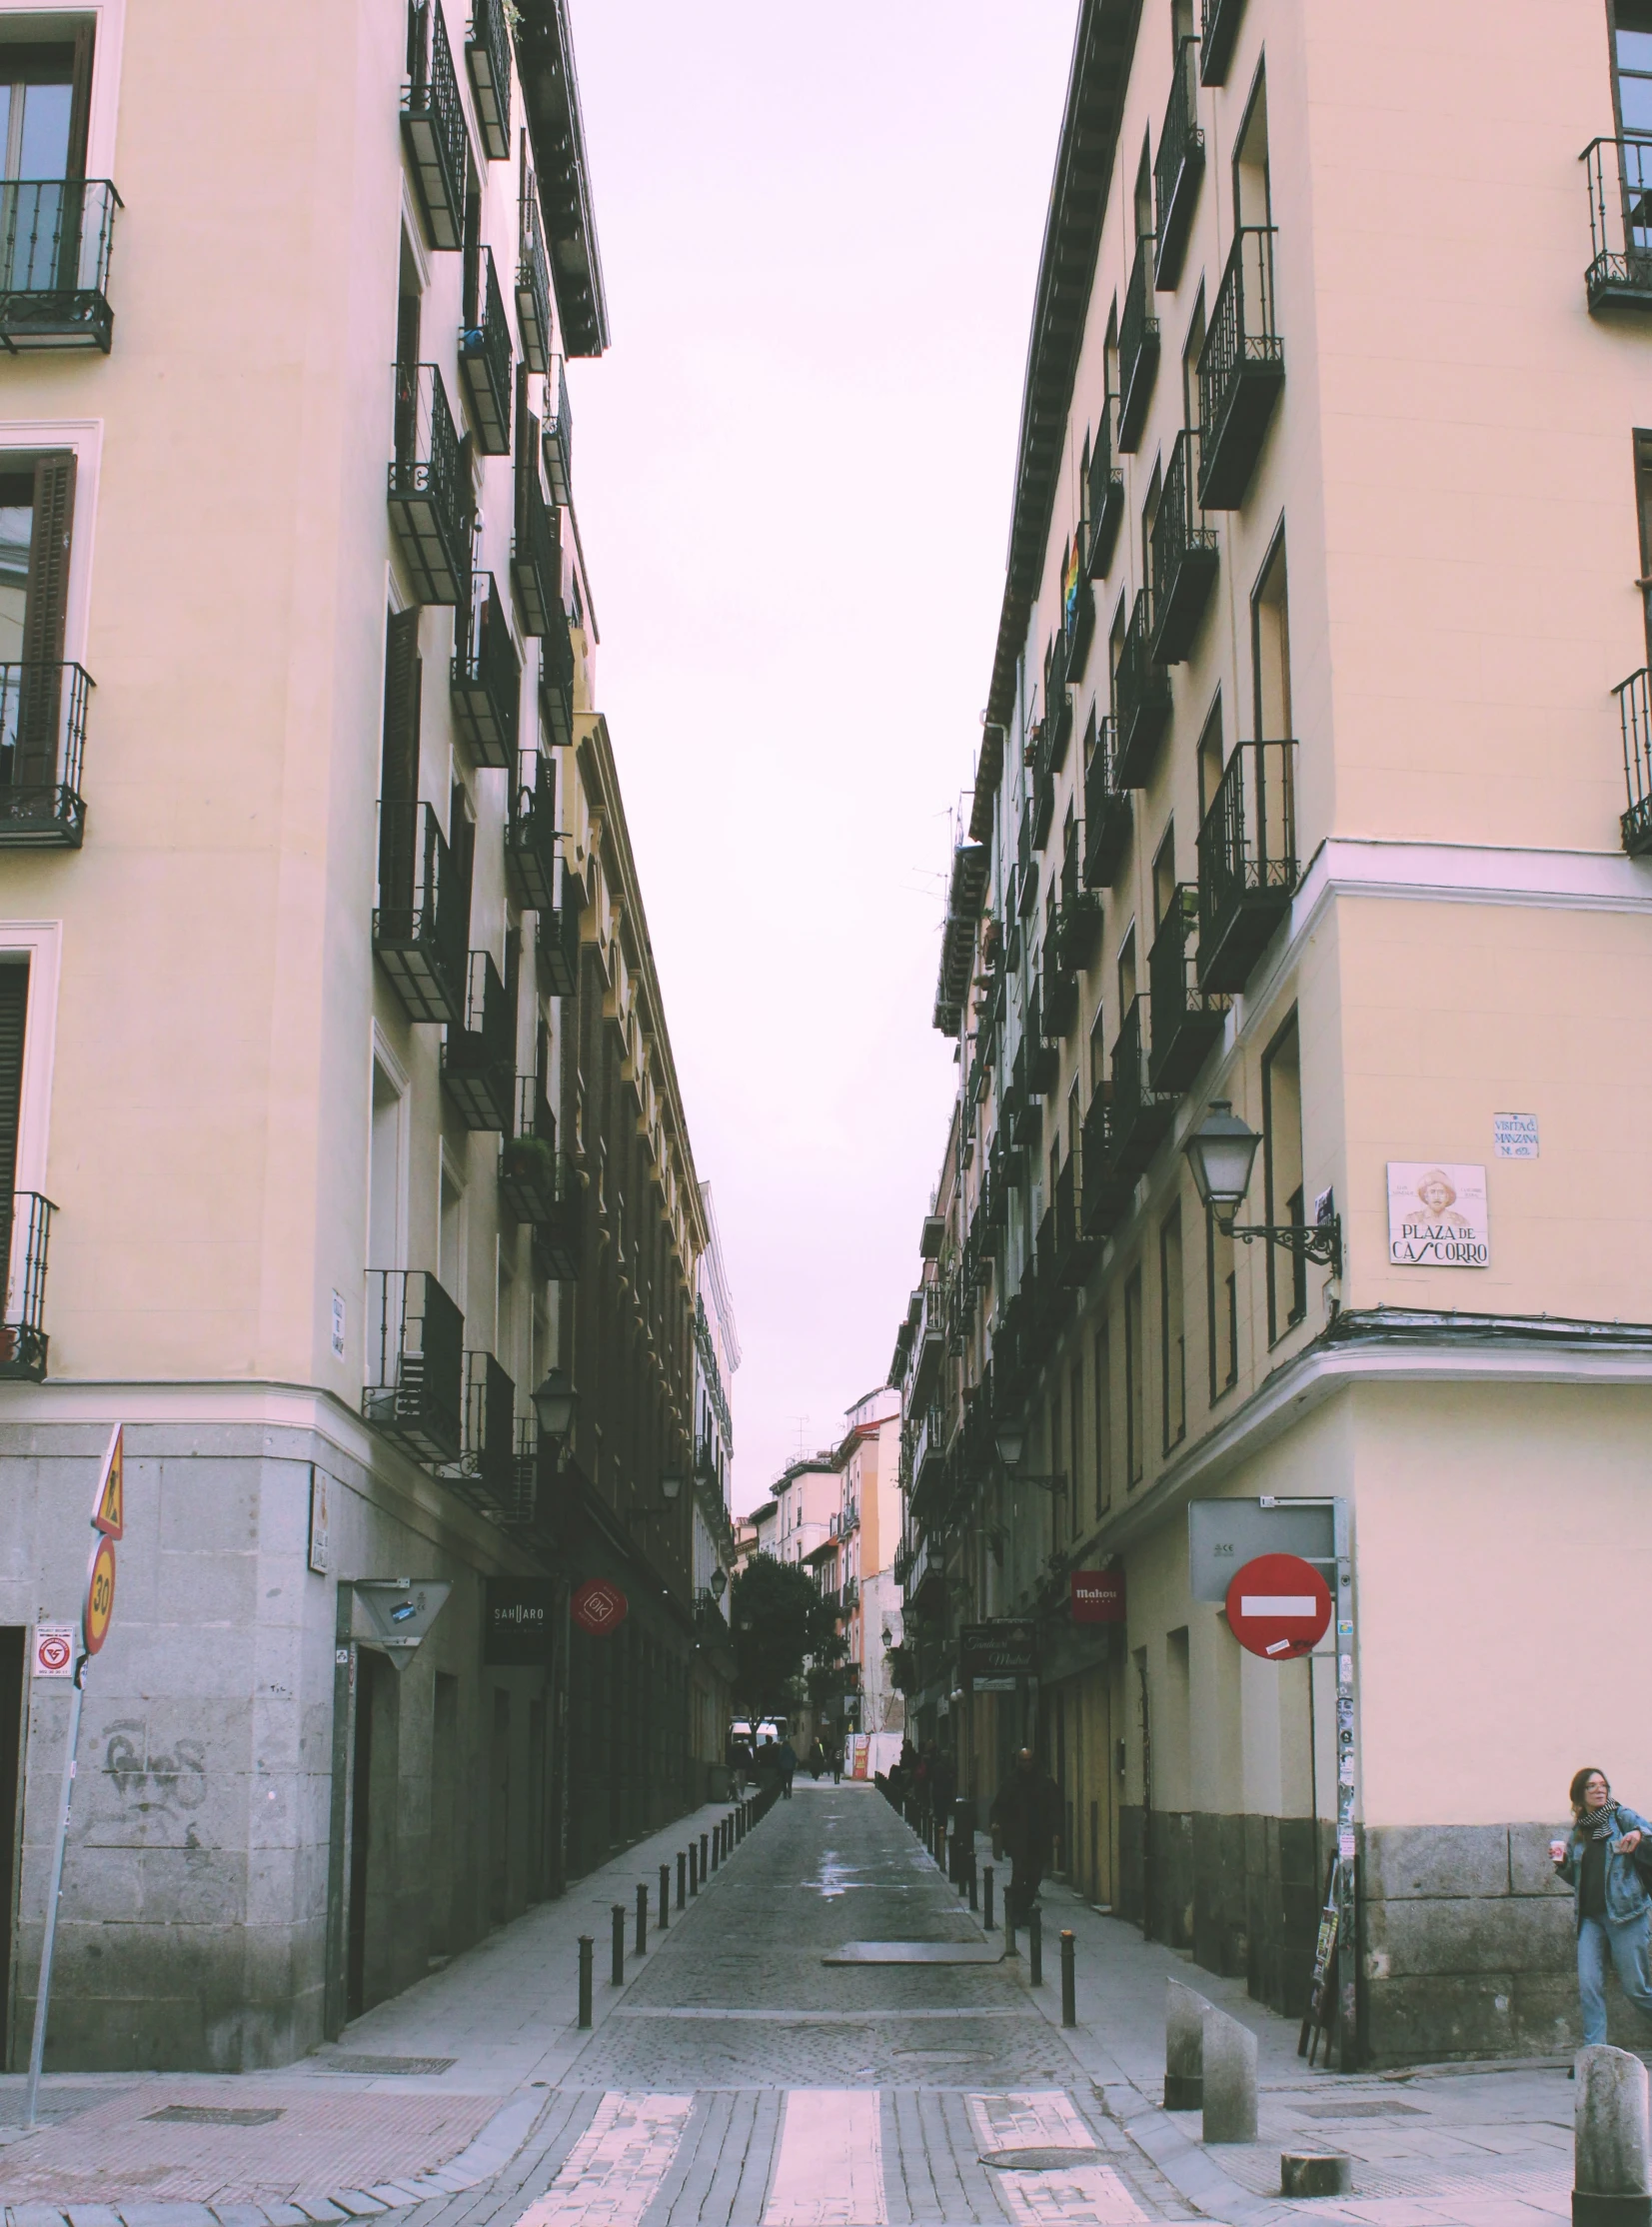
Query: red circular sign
{"points": [[55, 1653], [598, 1607], [100, 1595], [1278, 1606]]}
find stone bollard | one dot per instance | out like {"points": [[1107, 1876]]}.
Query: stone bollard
{"points": [[665, 1896], [1229, 2078], [1610, 2177], [1315, 2173], [1183, 2047]]}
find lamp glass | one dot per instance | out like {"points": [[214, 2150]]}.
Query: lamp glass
{"points": [[671, 1486], [555, 1403], [1012, 1443], [720, 1582], [1221, 1152]]}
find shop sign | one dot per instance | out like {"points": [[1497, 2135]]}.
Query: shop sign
{"points": [[1098, 1596], [520, 1615], [598, 1607], [1437, 1216], [1005, 1648]]}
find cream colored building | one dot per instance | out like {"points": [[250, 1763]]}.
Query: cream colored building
{"points": [[328, 1025], [1303, 788]]}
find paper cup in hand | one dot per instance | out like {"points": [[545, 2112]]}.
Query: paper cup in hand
{"points": [[1557, 1851]]}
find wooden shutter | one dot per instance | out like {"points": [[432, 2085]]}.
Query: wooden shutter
{"points": [[399, 777], [14, 1003], [462, 850], [80, 104], [45, 612]]}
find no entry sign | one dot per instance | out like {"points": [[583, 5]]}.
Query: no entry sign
{"points": [[598, 1607], [1278, 1606]]}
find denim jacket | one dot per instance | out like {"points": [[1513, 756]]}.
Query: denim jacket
{"points": [[1626, 1895]]}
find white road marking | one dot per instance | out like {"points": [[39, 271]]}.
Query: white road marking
{"points": [[1080, 2196], [830, 2168], [614, 2171]]}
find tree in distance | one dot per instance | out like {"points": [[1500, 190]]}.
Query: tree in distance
{"points": [[778, 1619]]}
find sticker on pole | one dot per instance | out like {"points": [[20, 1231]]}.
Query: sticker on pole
{"points": [[109, 1508], [100, 1595], [1278, 1606], [54, 1650]]}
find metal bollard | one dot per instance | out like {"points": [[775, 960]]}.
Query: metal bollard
{"points": [[641, 1917], [1069, 1979], [682, 1880], [694, 1870], [665, 1896], [1009, 1947], [617, 1917], [972, 1870], [717, 1848], [587, 1949], [987, 1877], [940, 1850], [705, 1854], [1035, 1946]]}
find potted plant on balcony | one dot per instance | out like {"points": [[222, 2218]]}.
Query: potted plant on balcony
{"points": [[530, 1160]]}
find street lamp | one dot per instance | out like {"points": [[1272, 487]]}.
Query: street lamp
{"points": [[555, 1405], [1221, 1152], [671, 1487], [1011, 1438], [720, 1582]]}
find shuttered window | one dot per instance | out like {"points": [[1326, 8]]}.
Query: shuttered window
{"points": [[45, 612], [14, 1003], [399, 773]]}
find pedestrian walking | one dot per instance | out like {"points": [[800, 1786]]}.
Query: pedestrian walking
{"points": [[817, 1758], [837, 1762], [1601, 1860], [1025, 1818], [786, 1759]]}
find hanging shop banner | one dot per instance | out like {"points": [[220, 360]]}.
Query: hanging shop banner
{"points": [[520, 1615], [1437, 1216], [1005, 1648], [598, 1607], [1098, 1596]]}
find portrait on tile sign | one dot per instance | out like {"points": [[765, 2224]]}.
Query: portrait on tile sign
{"points": [[1437, 1216]]}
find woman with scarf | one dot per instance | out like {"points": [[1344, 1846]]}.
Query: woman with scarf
{"points": [[1597, 1860]]}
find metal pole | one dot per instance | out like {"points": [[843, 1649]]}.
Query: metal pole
{"points": [[986, 1881], [1069, 1982], [665, 1896], [43, 1993], [1009, 1948], [617, 1917], [694, 1870], [588, 1949], [716, 1847], [682, 1880], [704, 1854], [641, 1917], [1347, 1946], [1036, 1945], [971, 1869]]}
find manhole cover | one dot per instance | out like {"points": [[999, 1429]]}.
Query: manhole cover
{"points": [[384, 2067], [1359, 2111], [207, 2114], [1040, 2161]]}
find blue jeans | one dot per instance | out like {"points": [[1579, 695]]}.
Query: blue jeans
{"points": [[1623, 1945]]}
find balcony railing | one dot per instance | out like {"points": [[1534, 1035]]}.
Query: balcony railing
{"points": [[559, 1234], [1184, 557], [1105, 1192], [1220, 27], [1108, 810], [527, 1161], [1178, 169], [25, 1234], [430, 493], [1188, 1020], [42, 743], [1079, 928], [1635, 711], [1141, 1114], [532, 283], [557, 676], [1104, 503], [1074, 1247], [1079, 614], [488, 55], [531, 833], [1241, 370], [1042, 818], [433, 131], [559, 436], [1038, 1059], [1142, 689], [415, 1363], [559, 937], [1137, 349], [1058, 988], [536, 553], [1247, 862], [488, 1455], [478, 1059], [1056, 729], [485, 365], [1620, 223], [486, 680], [419, 929], [55, 240]]}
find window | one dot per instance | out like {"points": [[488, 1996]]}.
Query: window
{"points": [[449, 1235], [1270, 647], [1282, 1172], [1221, 1307], [1164, 876], [37, 503], [1126, 973], [1144, 194], [1193, 350], [1172, 1330], [386, 1170], [1643, 505], [1076, 1437], [14, 1009], [1149, 514], [45, 104], [1058, 1494], [1252, 203], [1135, 1434], [1103, 1381], [1632, 66], [1098, 1053], [1210, 759]]}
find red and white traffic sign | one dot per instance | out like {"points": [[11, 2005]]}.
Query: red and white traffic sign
{"points": [[1278, 1606]]}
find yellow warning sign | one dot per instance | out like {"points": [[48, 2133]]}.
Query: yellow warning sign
{"points": [[100, 1595], [109, 1508]]}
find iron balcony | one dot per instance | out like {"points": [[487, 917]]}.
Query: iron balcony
{"points": [[429, 494], [55, 240], [1142, 688], [1057, 726], [1141, 1114], [558, 1248], [1108, 810], [1178, 169], [1079, 619], [1635, 711], [25, 1234], [1078, 928], [531, 833], [487, 1454], [433, 131], [1058, 988], [42, 745], [557, 677], [1042, 818], [478, 1059], [1219, 30], [533, 282], [528, 1173], [1184, 557], [487, 57], [486, 681], [1188, 1020], [1105, 1195], [485, 364], [559, 937], [1104, 493], [1137, 350], [1619, 171], [1247, 862], [419, 932], [1041, 1058], [416, 1362], [558, 439], [1075, 1247], [1241, 370], [536, 557]]}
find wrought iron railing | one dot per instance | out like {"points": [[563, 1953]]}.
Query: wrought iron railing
{"points": [[1242, 340], [530, 1169], [558, 936], [486, 680], [559, 435], [557, 674], [1186, 1020], [42, 743], [1138, 1114], [56, 235], [1635, 712], [1137, 346], [1179, 165], [415, 1363], [430, 494], [1104, 491], [1246, 847], [1143, 694], [485, 364], [536, 558], [1107, 810], [433, 127], [533, 282], [488, 1456], [25, 1234], [1184, 554], [530, 832], [1619, 173], [478, 1059], [419, 926], [488, 52]]}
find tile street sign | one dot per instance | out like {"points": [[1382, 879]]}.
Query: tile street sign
{"points": [[1437, 1214]]}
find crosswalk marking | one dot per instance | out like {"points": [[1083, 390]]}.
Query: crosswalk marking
{"points": [[830, 2168], [1079, 2195], [614, 2171]]}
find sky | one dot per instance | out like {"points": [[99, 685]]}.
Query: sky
{"points": [[792, 471]]}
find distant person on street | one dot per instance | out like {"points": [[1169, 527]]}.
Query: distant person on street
{"points": [[1025, 1818], [837, 1762], [740, 1762], [816, 1760], [1597, 1860], [786, 1761]]}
